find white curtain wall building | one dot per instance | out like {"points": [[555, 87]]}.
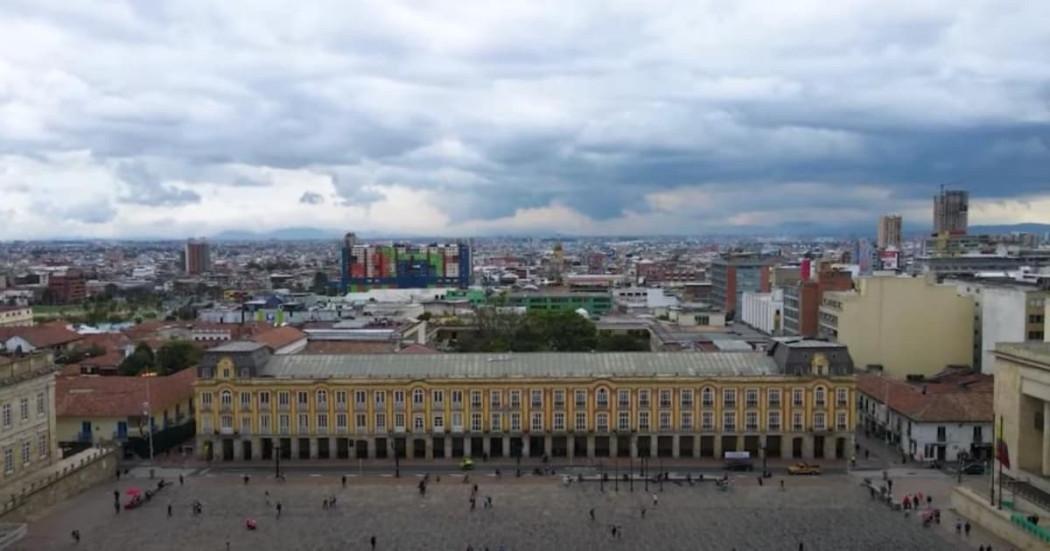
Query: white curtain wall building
{"points": [[764, 311]]}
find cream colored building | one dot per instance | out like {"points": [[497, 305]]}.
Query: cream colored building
{"points": [[16, 316], [27, 415], [1022, 402], [907, 325]]}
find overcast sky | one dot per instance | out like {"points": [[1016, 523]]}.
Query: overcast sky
{"points": [[459, 118]]}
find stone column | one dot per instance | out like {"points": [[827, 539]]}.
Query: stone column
{"points": [[430, 447], [590, 446], [448, 446], [634, 446], [313, 448], [257, 448], [294, 441], [718, 446], [570, 447], [486, 446], [371, 447], [547, 445], [675, 450]]}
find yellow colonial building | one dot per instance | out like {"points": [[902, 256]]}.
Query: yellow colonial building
{"points": [[794, 401]]}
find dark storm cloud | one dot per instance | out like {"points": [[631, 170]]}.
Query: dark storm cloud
{"points": [[495, 109]]}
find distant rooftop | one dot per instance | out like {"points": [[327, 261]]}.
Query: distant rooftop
{"points": [[1032, 351], [238, 346]]}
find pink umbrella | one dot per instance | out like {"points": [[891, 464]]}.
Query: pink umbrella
{"points": [[133, 492]]}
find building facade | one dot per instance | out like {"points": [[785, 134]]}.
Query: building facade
{"points": [[903, 325], [16, 316], [802, 301], [797, 400], [733, 275], [950, 212], [67, 287], [764, 311], [197, 257], [27, 415], [1004, 311], [1022, 403], [403, 265], [595, 304], [889, 231]]}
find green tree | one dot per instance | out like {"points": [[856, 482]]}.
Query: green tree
{"points": [[320, 285], [174, 356], [140, 360]]}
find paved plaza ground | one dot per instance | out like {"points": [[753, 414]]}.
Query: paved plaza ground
{"points": [[831, 512]]}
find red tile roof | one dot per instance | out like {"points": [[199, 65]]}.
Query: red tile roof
{"points": [[41, 336], [279, 337], [92, 396], [964, 399]]}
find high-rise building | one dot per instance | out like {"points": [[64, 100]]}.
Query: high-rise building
{"points": [[889, 231], [403, 265], [950, 212], [734, 274], [198, 257], [67, 287]]}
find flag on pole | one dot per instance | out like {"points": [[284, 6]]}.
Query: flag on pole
{"points": [[1002, 453]]}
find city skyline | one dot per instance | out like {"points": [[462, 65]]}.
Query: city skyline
{"points": [[126, 121]]}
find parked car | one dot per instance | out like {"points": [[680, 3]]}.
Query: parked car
{"points": [[804, 468], [467, 464], [973, 468]]}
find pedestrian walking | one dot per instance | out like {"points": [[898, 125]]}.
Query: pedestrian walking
{"points": [[853, 461], [278, 509], [866, 453], [246, 478], [915, 502], [966, 528], [656, 500], [760, 483], [324, 505], [116, 495], [958, 527], [781, 484], [488, 502], [169, 510], [180, 480], [472, 503], [643, 512], [592, 514], [372, 540], [344, 481], [76, 536], [227, 545], [613, 530], [116, 507]]}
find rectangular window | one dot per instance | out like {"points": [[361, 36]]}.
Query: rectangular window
{"points": [[774, 421], [559, 398], [340, 397], [475, 399], [282, 399], [624, 399], [707, 398], [643, 420], [399, 397], [643, 398], [751, 398], [818, 397], [729, 397], [360, 397], [751, 421], [707, 420], [537, 421], [417, 423], [264, 424], [841, 397], [226, 422], [797, 397], [602, 422], [302, 398], [246, 400], [665, 420], [581, 420], [729, 421], [457, 398], [457, 421], [42, 446], [24, 408], [559, 421], [687, 420], [665, 398], [418, 397], [624, 421], [206, 423], [773, 395], [246, 424], [439, 422], [841, 421], [380, 398], [7, 413], [496, 422], [581, 398], [41, 403], [284, 423], [205, 404], [26, 449], [322, 422], [515, 399], [796, 421], [495, 398], [380, 422], [9, 461], [264, 399], [340, 421], [304, 423], [537, 398], [475, 422], [361, 422], [515, 422], [399, 421], [687, 398], [819, 421], [438, 398]]}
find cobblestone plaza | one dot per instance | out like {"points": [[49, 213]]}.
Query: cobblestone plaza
{"points": [[531, 513]]}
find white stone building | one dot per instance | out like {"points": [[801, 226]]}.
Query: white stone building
{"points": [[764, 311], [27, 415]]}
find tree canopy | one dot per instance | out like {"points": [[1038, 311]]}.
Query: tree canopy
{"points": [[537, 331]]}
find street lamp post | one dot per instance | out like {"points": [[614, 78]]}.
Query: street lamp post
{"points": [[397, 459], [661, 474], [149, 419], [277, 461], [616, 470], [630, 469]]}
